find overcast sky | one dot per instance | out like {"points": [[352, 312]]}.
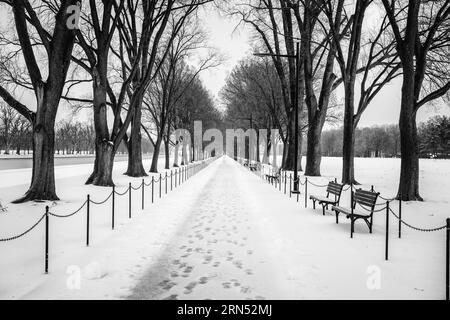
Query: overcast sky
{"points": [[235, 45]]}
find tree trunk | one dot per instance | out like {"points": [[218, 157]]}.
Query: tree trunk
{"points": [[314, 149], [290, 150], [167, 153], [135, 166], [348, 150], [299, 158], [409, 173], [176, 152], [104, 154], [154, 166], [103, 166], [43, 176]]}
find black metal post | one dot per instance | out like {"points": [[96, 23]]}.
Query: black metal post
{"points": [[113, 206], [87, 219], [306, 192], [143, 194], [447, 262], [400, 217], [297, 76], [387, 232], [153, 188], [47, 235], [290, 185], [129, 200], [351, 208], [285, 182], [166, 182], [160, 181]]}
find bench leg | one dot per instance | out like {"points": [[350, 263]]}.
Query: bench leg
{"points": [[337, 217], [314, 204], [369, 224], [323, 209]]}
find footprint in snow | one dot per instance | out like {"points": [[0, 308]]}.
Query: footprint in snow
{"points": [[226, 285], [188, 269], [190, 287], [167, 284], [246, 289]]}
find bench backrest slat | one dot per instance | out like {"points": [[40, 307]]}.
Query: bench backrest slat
{"points": [[365, 198], [335, 188]]}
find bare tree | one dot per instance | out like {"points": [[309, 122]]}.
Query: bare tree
{"points": [[173, 79], [57, 49], [379, 67], [422, 35], [166, 21], [273, 25]]}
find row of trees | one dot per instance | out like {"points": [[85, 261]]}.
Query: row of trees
{"points": [[339, 46], [126, 60], [71, 137], [384, 141], [378, 141], [15, 131]]}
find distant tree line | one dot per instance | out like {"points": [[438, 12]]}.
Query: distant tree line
{"points": [[71, 136], [15, 131], [434, 138], [384, 141]]}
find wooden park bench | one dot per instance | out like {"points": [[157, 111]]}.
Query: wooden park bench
{"points": [[367, 200], [253, 166], [274, 176], [334, 189]]}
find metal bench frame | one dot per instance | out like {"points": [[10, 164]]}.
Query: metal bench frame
{"points": [[333, 188], [366, 199], [275, 176]]}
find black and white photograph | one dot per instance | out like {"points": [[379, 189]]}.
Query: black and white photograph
{"points": [[237, 151]]}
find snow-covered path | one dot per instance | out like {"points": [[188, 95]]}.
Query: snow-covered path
{"points": [[218, 253]]}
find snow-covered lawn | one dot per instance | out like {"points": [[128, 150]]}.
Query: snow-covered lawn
{"points": [[289, 251]]}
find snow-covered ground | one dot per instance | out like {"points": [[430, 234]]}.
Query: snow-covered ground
{"points": [[22, 262], [225, 233]]}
